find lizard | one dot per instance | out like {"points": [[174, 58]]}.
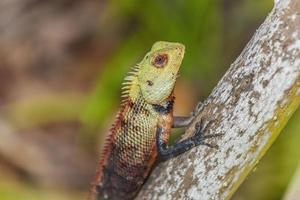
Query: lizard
{"points": [[139, 136]]}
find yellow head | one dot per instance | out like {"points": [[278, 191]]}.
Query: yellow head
{"points": [[158, 71]]}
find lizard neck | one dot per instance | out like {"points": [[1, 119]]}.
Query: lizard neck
{"points": [[166, 106], [135, 95]]}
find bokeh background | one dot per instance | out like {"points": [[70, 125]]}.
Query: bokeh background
{"points": [[61, 67]]}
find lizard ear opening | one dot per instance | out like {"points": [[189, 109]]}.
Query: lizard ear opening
{"points": [[150, 83]]}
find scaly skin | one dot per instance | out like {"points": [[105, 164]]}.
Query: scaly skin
{"points": [[141, 131]]}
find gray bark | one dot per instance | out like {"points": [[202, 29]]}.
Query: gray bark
{"points": [[250, 106]]}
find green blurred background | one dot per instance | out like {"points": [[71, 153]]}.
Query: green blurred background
{"points": [[61, 67]]}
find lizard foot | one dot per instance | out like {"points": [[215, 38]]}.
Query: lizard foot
{"points": [[199, 136]]}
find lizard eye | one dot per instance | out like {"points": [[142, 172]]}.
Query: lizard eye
{"points": [[160, 60]]}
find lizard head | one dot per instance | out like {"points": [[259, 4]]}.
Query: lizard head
{"points": [[158, 71]]}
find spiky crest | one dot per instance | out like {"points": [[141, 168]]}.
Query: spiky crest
{"points": [[128, 81]]}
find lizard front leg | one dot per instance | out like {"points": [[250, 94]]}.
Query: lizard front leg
{"points": [[185, 121], [182, 121], [199, 138]]}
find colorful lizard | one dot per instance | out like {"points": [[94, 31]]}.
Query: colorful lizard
{"points": [[141, 131]]}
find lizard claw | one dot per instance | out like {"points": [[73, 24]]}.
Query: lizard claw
{"points": [[209, 145], [198, 109], [200, 127]]}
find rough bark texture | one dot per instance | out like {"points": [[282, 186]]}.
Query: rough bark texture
{"points": [[250, 106]]}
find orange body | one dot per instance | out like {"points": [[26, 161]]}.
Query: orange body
{"points": [[130, 151]]}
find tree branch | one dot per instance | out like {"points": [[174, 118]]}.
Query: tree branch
{"points": [[250, 106]]}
